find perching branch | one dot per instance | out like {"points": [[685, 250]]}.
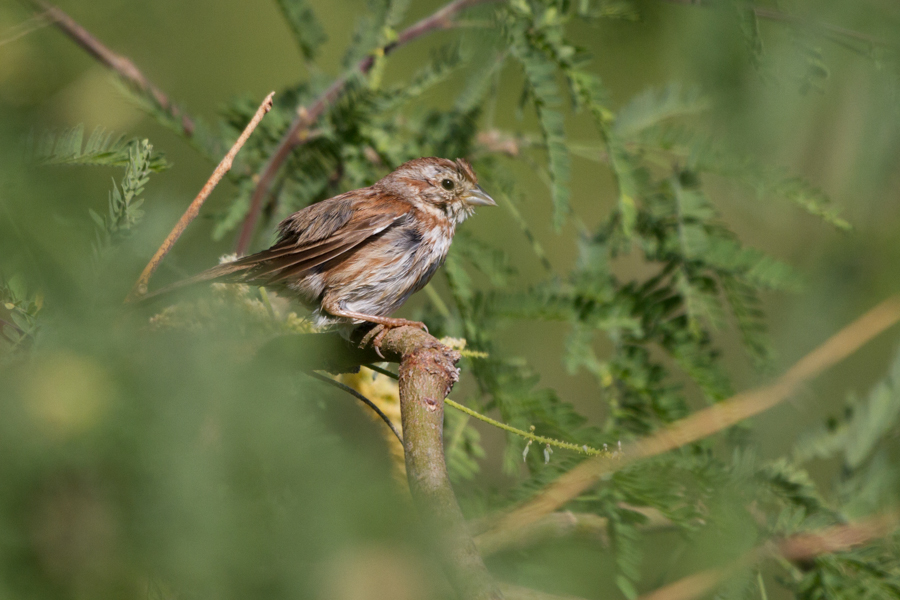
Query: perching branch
{"points": [[427, 374], [298, 132], [140, 287], [118, 63], [710, 420]]}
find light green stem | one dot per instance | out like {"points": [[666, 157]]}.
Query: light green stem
{"points": [[525, 434], [762, 586]]}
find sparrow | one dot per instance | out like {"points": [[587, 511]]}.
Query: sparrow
{"points": [[357, 257]]}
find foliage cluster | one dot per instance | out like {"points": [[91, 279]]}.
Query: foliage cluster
{"points": [[639, 337]]}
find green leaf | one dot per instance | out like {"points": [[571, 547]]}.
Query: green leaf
{"points": [[16, 287], [540, 73], [101, 149], [443, 63], [308, 32], [489, 261], [653, 107], [867, 423], [626, 587], [702, 155]]}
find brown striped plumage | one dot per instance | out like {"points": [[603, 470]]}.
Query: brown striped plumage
{"points": [[357, 257]]}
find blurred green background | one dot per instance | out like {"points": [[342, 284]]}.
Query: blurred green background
{"points": [[843, 137], [167, 404]]}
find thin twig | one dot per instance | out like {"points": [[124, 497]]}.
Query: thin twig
{"points": [[140, 287], [804, 546], [298, 132], [346, 388], [540, 439], [775, 15], [427, 374], [118, 63], [383, 371], [710, 420], [499, 425]]}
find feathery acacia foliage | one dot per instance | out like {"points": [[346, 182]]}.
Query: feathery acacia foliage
{"points": [[308, 33], [102, 148], [124, 201], [651, 343]]}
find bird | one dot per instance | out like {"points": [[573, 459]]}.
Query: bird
{"points": [[357, 257]]}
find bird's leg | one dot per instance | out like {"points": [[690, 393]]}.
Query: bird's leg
{"points": [[387, 323]]}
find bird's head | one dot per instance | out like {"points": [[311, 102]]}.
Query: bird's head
{"points": [[450, 186]]}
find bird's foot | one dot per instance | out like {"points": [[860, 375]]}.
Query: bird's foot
{"points": [[389, 324]]}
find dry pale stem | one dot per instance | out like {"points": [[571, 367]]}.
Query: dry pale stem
{"points": [[427, 374], [140, 287], [797, 548], [708, 421]]}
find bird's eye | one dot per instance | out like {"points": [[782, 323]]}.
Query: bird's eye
{"points": [[447, 184]]}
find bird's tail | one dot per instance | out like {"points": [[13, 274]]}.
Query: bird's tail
{"points": [[229, 272]]}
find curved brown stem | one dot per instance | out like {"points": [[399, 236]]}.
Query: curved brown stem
{"points": [[708, 421], [122, 65], [427, 374]]}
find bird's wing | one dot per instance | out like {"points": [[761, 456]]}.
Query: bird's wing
{"points": [[309, 240], [319, 221]]}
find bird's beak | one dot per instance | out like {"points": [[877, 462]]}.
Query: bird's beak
{"points": [[478, 197]]}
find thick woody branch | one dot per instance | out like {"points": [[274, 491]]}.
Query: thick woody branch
{"points": [[427, 374], [298, 132], [116, 62]]}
